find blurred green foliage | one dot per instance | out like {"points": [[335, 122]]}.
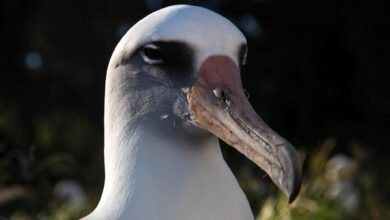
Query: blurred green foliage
{"points": [[315, 70], [322, 180], [316, 200]]}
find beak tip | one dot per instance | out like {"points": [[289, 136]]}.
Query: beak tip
{"points": [[293, 180], [290, 180], [291, 191], [293, 195], [294, 189]]}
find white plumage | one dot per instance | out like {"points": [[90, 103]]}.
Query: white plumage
{"points": [[160, 163]]}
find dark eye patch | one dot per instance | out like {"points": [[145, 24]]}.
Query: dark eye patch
{"points": [[171, 62], [174, 55]]}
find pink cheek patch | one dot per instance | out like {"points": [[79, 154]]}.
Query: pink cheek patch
{"points": [[220, 71]]}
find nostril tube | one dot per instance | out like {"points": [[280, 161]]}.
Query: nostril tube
{"points": [[218, 92], [223, 95]]}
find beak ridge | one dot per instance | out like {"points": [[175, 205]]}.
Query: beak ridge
{"points": [[218, 104]]}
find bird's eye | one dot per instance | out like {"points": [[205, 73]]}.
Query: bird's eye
{"points": [[242, 54], [243, 60], [152, 54]]}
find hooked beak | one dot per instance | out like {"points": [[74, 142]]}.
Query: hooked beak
{"points": [[218, 104]]}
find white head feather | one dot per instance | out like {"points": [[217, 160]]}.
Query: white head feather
{"points": [[206, 31]]}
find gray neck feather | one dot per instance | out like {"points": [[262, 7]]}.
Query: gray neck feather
{"points": [[156, 165]]}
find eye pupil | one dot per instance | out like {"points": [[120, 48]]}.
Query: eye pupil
{"points": [[152, 54]]}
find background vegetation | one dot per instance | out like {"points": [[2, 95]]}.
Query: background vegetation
{"points": [[317, 72]]}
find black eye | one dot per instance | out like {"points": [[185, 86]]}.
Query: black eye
{"points": [[243, 54], [152, 54], [243, 60]]}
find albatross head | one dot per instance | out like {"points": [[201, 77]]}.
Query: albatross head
{"points": [[178, 70]]}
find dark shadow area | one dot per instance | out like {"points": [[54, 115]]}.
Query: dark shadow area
{"points": [[317, 72]]}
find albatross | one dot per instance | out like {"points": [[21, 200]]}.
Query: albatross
{"points": [[173, 88]]}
